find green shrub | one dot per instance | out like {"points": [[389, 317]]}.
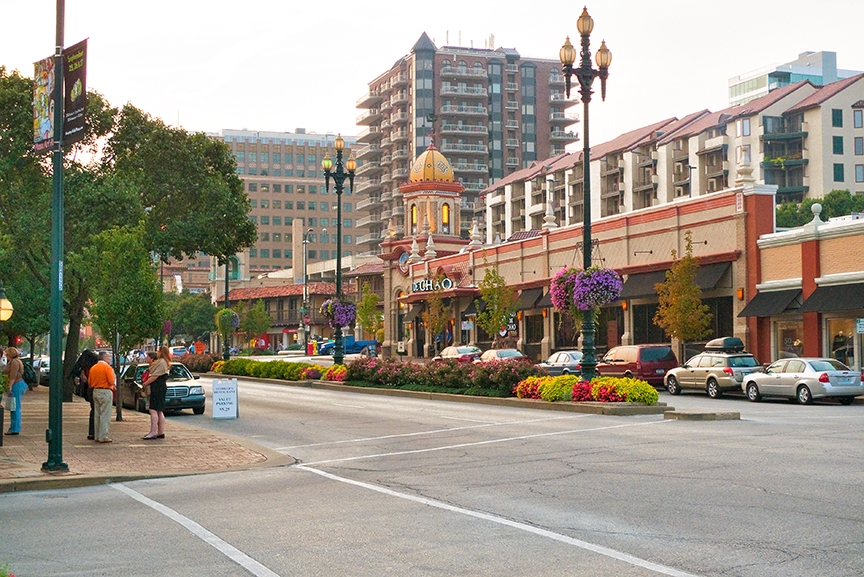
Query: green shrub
{"points": [[637, 391], [555, 390]]}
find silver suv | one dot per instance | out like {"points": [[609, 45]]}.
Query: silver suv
{"points": [[721, 367]]}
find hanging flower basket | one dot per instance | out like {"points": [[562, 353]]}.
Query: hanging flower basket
{"points": [[561, 288], [596, 287], [338, 313]]}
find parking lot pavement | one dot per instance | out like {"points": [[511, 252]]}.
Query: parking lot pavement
{"points": [[185, 449]]}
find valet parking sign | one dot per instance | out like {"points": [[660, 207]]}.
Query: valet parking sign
{"points": [[225, 399]]}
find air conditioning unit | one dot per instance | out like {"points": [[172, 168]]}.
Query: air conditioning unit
{"points": [[712, 185], [621, 164], [620, 187], [655, 179], [654, 155], [679, 191]]}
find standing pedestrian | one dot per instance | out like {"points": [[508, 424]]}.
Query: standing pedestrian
{"points": [[14, 370], [102, 384], [158, 383]]}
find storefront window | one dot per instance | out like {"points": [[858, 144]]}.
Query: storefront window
{"points": [[840, 333], [790, 339], [533, 328], [566, 332], [644, 329]]}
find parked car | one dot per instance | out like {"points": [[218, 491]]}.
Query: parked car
{"points": [[463, 354], [805, 379], [721, 367], [646, 362], [183, 391], [500, 355], [563, 363], [351, 347]]}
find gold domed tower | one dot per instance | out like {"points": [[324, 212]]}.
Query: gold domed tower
{"points": [[431, 196]]}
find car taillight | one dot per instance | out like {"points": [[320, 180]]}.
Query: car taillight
{"points": [[728, 371], [638, 366], [465, 358], [823, 378], [862, 376]]}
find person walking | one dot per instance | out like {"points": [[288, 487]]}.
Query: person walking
{"points": [[14, 371], [102, 383], [158, 383]]}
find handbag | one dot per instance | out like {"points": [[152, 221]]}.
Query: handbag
{"points": [[11, 403]]}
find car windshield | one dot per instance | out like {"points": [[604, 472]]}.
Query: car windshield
{"points": [[748, 361], [467, 350], [828, 365], [657, 354], [509, 354]]}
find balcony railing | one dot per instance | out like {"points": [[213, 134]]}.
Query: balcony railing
{"points": [[512, 143], [463, 71], [464, 90], [368, 99], [401, 153], [367, 151], [512, 86], [399, 80], [400, 173], [562, 135], [512, 105], [368, 168], [474, 148], [369, 135], [366, 187], [464, 128], [399, 135], [556, 79], [468, 167], [563, 117], [367, 238], [367, 220], [468, 110], [474, 186], [399, 118], [369, 116]]}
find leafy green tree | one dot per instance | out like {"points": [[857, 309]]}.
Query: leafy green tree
{"points": [[499, 299], [227, 322], [129, 168], [254, 319], [835, 203], [681, 312], [191, 315], [436, 314], [369, 318]]}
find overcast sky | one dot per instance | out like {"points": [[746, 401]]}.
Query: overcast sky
{"points": [[282, 64]]}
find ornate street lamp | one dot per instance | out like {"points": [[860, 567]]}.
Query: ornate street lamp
{"points": [[6, 307], [304, 309], [341, 172], [586, 74]]}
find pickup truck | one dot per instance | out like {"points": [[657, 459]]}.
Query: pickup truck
{"points": [[351, 347]]}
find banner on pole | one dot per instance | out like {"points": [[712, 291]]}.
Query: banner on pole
{"points": [[43, 105], [75, 92]]}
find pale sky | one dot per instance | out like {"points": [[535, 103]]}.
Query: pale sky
{"points": [[277, 65]]}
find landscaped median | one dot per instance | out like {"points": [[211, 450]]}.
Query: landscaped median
{"points": [[509, 383]]}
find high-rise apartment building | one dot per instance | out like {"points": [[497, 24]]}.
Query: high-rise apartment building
{"points": [[284, 180], [491, 110], [820, 68]]}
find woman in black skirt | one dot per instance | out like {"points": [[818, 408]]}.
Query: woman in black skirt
{"points": [[158, 383]]}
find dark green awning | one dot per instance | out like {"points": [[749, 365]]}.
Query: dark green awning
{"points": [[770, 303], [841, 297]]}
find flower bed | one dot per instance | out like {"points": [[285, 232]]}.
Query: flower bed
{"points": [[571, 388]]}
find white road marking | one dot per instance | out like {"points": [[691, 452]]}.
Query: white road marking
{"points": [[432, 432], [479, 443], [226, 549], [349, 406], [599, 549]]}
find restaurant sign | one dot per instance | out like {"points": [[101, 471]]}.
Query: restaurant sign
{"points": [[428, 285]]}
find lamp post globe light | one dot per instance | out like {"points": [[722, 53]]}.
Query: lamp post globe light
{"points": [[585, 74], [338, 173], [305, 306], [6, 307]]}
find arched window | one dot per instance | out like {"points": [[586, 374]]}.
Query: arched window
{"points": [[234, 268], [463, 64], [413, 219], [445, 218], [478, 65], [445, 62]]}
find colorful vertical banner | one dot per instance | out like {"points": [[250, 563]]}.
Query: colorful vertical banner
{"points": [[43, 105], [75, 92]]}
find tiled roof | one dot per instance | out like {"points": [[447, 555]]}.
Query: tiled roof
{"points": [[757, 105], [630, 140], [681, 128], [523, 234], [368, 268], [824, 93], [265, 292]]}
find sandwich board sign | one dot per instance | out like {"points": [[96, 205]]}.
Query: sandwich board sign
{"points": [[225, 399]]}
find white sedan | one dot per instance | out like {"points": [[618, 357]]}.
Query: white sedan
{"points": [[805, 379]]}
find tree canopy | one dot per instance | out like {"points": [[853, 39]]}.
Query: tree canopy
{"points": [[835, 203]]}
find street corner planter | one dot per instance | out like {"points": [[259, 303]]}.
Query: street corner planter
{"points": [[622, 409]]}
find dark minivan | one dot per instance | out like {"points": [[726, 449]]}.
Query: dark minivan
{"points": [[646, 362]]}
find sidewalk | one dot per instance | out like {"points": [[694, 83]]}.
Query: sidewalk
{"points": [[185, 450]]}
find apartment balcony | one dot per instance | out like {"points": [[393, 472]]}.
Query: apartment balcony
{"points": [[512, 143], [463, 71], [367, 220], [557, 97], [370, 168], [369, 100], [371, 238], [512, 105], [399, 173], [385, 160], [538, 208], [386, 178], [474, 186], [556, 150], [367, 187], [369, 203], [682, 155], [512, 124], [399, 154], [563, 118], [386, 142], [775, 128], [399, 98], [556, 80], [467, 148], [512, 161], [468, 167], [511, 87], [386, 196], [399, 118], [385, 123], [385, 215], [562, 136], [371, 134], [644, 160], [371, 116], [370, 151], [644, 184], [511, 68], [465, 110], [399, 136], [385, 106], [467, 206], [517, 214], [464, 129], [398, 210], [399, 80], [397, 195], [718, 169], [465, 91]]}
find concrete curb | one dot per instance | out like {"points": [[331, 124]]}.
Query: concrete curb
{"points": [[703, 415]]}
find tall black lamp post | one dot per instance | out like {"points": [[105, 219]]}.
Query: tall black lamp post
{"points": [[226, 349], [341, 172], [586, 74], [304, 309]]}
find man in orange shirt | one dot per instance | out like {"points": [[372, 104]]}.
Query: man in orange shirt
{"points": [[102, 381]]}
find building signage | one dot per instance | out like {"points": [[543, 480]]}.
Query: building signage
{"points": [[428, 285], [859, 326]]}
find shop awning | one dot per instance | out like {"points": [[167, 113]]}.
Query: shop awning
{"points": [[527, 298], [841, 297], [545, 302], [769, 303], [642, 284], [472, 308], [412, 314]]}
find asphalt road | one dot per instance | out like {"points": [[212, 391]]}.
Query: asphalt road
{"points": [[390, 486]]}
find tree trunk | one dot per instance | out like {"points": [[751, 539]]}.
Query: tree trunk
{"points": [[75, 308]]}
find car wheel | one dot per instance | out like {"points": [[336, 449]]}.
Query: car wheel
{"points": [[141, 405], [805, 397], [847, 400], [565, 372], [198, 410], [628, 375], [713, 389], [672, 386], [753, 392], [332, 351]]}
